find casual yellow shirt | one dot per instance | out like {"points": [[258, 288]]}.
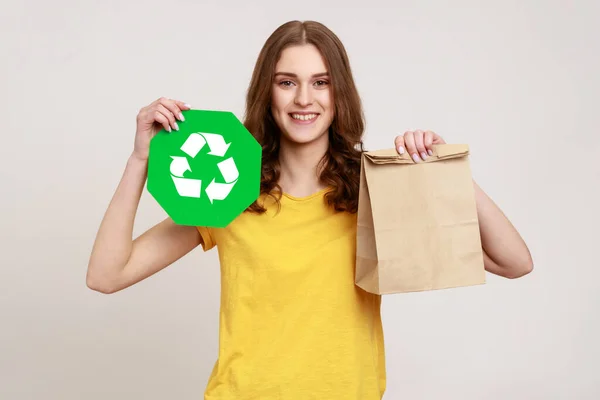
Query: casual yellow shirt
{"points": [[292, 323]]}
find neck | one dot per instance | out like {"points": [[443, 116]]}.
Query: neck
{"points": [[299, 166]]}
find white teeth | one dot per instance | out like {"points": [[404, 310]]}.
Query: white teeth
{"points": [[304, 117]]}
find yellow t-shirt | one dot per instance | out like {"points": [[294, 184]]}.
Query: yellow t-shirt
{"points": [[293, 325]]}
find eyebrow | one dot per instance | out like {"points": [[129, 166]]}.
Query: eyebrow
{"points": [[320, 74]]}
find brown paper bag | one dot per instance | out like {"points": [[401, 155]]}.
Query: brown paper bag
{"points": [[417, 222]]}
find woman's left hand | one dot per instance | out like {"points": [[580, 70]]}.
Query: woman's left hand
{"points": [[417, 143]]}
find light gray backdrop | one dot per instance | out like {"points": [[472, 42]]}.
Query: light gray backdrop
{"points": [[516, 80]]}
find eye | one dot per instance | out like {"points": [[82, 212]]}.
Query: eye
{"points": [[285, 83], [321, 83]]}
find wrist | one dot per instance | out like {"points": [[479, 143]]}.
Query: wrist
{"points": [[136, 160]]}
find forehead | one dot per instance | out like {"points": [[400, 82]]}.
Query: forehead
{"points": [[304, 60]]}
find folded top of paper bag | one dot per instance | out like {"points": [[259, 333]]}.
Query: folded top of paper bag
{"points": [[440, 152]]}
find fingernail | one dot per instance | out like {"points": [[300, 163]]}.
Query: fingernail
{"points": [[400, 149], [169, 129], [430, 152], [181, 117], [415, 157], [187, 105], [423, 155], [176, 126]]}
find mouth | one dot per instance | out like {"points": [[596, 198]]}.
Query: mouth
{"points": [[304, 118]]}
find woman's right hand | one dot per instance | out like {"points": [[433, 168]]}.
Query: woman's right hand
{"points": [[162, 113]]}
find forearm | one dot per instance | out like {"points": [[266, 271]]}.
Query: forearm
{"points": [[507, 253], [113, 244]]}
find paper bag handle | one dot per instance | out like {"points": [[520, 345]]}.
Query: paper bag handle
{"points": [[440, 152]]}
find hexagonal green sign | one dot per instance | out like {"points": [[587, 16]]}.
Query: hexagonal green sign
{"points": [[208, 172]]}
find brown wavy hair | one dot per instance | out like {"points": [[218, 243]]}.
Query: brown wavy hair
{"points": [[340, 166]]}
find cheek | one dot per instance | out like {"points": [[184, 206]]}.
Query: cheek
{"points": [[279, 101], [326, 101], [275, 100]]}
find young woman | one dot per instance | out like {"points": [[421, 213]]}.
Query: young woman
{"points": [[293, 325]]}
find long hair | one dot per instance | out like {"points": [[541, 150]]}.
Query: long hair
{"points": [[340, 166]]}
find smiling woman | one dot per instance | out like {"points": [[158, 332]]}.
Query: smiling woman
{"points": [[303, 104], [293, 325]]}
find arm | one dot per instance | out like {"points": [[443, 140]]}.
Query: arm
{"points": [[504, 251], [117, 261]]}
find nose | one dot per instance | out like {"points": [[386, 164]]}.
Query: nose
{"points": [[304, 96]]}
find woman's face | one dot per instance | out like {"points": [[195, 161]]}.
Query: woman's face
{"points": [[302, 99]]}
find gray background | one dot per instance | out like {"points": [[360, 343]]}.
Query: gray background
{"points": [[517, 81]]}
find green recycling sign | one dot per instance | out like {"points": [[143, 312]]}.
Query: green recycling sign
{"points": [[208, 172]]}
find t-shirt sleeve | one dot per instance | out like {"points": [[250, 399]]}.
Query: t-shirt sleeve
{"points": [[208, 241]]}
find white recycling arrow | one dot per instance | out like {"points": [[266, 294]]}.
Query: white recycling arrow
{"points": [[228, 170], [193, 144], [186, 187], [216, 144], [189, 187], [219, 191], [179, 165]]}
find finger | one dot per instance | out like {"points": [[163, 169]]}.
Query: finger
{"points": [[411, 147], [399, 144], [178, 103], [172, 106], [182, 105], [428, 141], [162, 119], [167, 113], [420, 144]]}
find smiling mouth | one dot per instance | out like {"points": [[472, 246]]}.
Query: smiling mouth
{"points": [[304, 118]]}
